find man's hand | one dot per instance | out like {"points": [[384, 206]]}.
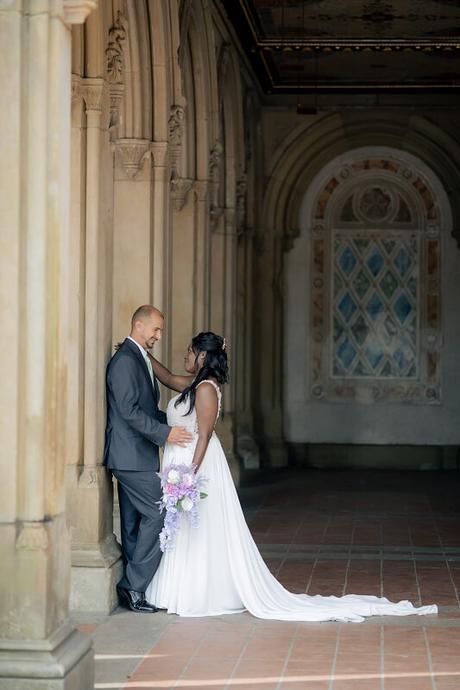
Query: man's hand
{"points": [[180, 436]]}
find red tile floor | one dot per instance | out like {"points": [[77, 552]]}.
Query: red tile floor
{"points": [[321, 532]]}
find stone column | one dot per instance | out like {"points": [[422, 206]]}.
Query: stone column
{"points": [[201, 258], [228, 306], [132, 255], [245, 445], [39, 648], [96, 561], [160, 237], [268, 341]]}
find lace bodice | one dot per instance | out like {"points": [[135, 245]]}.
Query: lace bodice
{"points": [[177, 415]]}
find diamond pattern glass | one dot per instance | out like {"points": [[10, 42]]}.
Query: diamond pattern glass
{"points": [[375, 288]]}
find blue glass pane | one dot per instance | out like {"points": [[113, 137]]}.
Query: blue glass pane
{"points": [[375, 262], [390, 327], [402, 261], [346, 353], [402, 307], [374, 355], [338, 329], [400, 359], [347, 307], [347, 261], [374, 306]]}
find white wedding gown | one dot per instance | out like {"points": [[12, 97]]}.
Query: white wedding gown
{"points": [[217, 569]]}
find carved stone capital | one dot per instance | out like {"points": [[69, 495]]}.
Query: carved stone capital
{"points": [[33, 536], [160, 153], [76, 11], [132, 153], [114, 51], [180, 187], [94, 92], [201, 190]]}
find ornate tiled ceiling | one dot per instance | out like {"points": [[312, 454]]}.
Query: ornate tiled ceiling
{"points": [[350, 45]]}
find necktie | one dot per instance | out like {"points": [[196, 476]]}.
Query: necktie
{"points": [[150, 368]]}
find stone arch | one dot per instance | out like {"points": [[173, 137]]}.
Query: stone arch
{"points": [[380, 401], [309, 147], [197, 60], [291, 169]]}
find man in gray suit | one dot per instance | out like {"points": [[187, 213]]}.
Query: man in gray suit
{"points": [[135, 429]]}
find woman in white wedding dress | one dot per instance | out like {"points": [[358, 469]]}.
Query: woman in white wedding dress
{"points": [[217, 568]]}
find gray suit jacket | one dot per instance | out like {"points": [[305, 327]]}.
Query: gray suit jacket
{"points": [[135, 426]]}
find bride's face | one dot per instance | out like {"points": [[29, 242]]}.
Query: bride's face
{"points": [[193, 361]]}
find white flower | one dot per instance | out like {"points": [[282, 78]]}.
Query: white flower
{"points": [[173, 477], [187, 480], [187, 504]]}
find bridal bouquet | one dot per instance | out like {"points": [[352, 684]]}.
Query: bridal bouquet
{"points": [[181, 494]]}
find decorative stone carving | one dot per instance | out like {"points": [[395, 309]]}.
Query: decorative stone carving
{"points": [[385, 288], [215, 158], [180, 187], [114, 50], [115, 70], [201, 190], [93, 91], [176, 125], [132, 153], [214, 162], [241, 186], [160, 152], [33, 536]]}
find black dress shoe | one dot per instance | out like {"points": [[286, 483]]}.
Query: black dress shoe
{"points": [[135, 601]]}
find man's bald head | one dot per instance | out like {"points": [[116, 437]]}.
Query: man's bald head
{"points": [[144, 313], [147, 326]]}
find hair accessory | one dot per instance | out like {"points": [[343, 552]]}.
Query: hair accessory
{"points": [[224, 345]]}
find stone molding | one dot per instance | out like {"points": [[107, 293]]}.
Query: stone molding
{"points": [[180, 187], [76, 11], [201, 189], [160, 153], [131, 154]]}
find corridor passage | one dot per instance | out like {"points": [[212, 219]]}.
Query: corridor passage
{"points": [[321, 532]]}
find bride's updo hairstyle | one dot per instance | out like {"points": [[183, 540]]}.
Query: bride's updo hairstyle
{"points": [[214, 366]]}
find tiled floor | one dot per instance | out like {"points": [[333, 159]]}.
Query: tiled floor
{"points": [[390, 534]]}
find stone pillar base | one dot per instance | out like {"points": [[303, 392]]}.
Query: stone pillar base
{"points": [[93, 589], [64, 661], [94, 578], [247, 450], [276, 453]]}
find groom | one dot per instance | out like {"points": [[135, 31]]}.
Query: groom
{"points": [[135, 428]]}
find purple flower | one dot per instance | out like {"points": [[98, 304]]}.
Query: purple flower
{"points": [[181, 495]]}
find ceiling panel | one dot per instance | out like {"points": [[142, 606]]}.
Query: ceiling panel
{"points": [[305, 45]]}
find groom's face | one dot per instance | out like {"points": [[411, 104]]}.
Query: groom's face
{"points": [[151, 330]]}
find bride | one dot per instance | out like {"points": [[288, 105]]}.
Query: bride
{"points": [[216, 568]]}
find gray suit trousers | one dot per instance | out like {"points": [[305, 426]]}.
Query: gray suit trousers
{"points": [[141, 524]]}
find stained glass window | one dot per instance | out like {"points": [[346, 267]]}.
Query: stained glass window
{"points": [[375, 286]]}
